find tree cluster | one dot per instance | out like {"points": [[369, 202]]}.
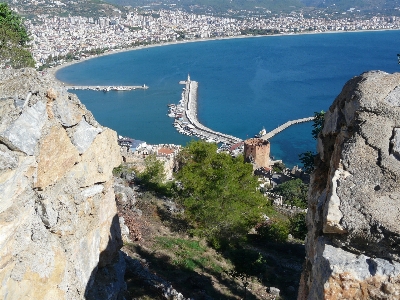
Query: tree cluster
{"points": [[307, 158], [294, 192], [219, 194], [14, 40]]}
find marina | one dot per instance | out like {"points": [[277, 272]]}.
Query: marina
{"points": [[107, 88], [186, 122]]}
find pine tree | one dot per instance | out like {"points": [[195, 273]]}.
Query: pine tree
{"points": [[14, 40]]}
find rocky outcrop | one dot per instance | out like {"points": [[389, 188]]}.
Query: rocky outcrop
{"points": [[59, 229], [353, 241]]}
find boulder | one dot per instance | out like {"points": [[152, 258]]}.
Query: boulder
{"points": [[353, 242], [58, 218]]}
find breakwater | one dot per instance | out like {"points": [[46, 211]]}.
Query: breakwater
{"points": [[270, 134], [186, 121], [107, 88]]}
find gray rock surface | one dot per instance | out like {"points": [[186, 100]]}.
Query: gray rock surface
{"points": [[67, 109], [83, 135], [8, 159], [25, 132], [396, 143], [58, 224], [353, 215]]}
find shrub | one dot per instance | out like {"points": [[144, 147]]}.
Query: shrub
{"points": [[14, 40], [298, 226], [274, 230], [294, 192]]}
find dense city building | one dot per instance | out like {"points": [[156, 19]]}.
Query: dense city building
{"points": [[76, 37]]}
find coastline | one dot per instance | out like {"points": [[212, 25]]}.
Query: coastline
{"points": [[53, 71]]}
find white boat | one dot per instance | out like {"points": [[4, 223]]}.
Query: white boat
{"points": [[261, 133]]}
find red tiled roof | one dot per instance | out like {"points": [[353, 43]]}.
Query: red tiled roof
{"points": [[165, 151]]}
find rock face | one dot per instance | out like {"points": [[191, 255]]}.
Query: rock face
{"points": [[59, 229], [353, 242]]}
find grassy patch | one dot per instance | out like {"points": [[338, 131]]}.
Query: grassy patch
{"points": [[188, 254]]}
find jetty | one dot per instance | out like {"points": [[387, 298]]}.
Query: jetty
{"points": [[108, 88], [186, 121], [270, 134]]}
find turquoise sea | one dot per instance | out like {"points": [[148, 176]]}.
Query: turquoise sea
{"points": [[244, 84]]}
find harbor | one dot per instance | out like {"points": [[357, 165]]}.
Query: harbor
{"points": [[107, 88], [185, 115], [186, 122]]}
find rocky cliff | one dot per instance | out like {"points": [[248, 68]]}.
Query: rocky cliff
{"points": [[59, 228], [353, 242]]}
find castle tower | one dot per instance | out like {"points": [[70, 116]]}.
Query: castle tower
{"points": [[257, 152]]}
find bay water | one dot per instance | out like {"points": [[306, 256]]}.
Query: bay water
{"points": [[244, 84]]}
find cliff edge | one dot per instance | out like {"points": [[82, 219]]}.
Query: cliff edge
{"points": [[58, 219], [353, 219]]}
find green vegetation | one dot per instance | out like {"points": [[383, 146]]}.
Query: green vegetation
{"points": [[255, 31], [14, 40], [318, 123], [219, 194], [84, 8], [153, 178], [294, 192], [367, 7], [278, 167], [274, 230], [188, 254], [220, 6], [298, 227], [154, 174], [202, 237], [307, 158]]}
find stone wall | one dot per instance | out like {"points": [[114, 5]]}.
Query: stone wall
{"points": [[58, 220], [257, 151], [353, 242]]}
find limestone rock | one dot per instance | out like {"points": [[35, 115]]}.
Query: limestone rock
{"points": [[396, 143], [353, 242], [58, 224], [8, 159], [25, 132], [83, 135], [93, 190], [57, 156], [344, 275], [13, 183], [98, 160], [66, 110]]}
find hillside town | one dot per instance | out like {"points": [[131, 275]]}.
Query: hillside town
{"points": [[75, 37]]}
